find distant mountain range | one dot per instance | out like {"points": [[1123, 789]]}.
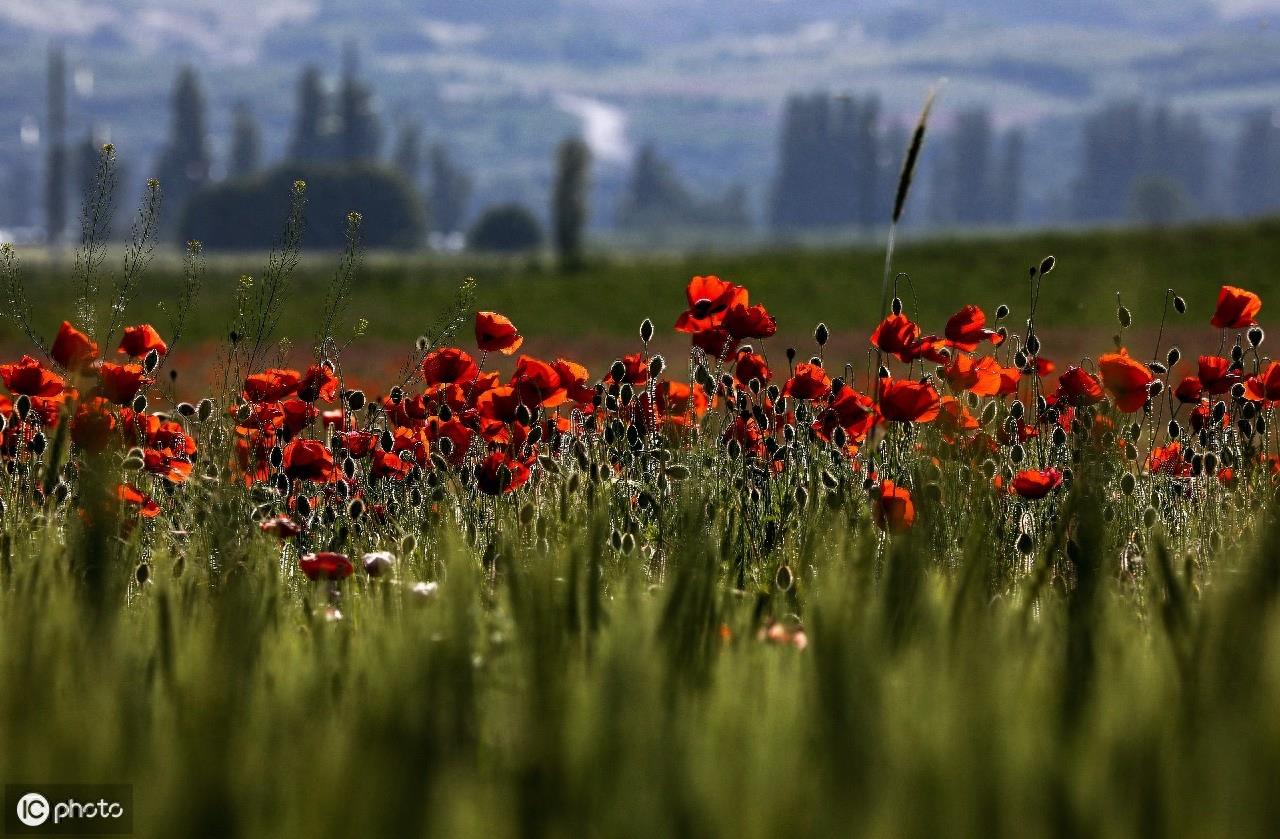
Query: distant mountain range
{"points": [[502, 80]]}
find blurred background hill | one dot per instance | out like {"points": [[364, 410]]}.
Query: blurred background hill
{"points": [[708, 122]]}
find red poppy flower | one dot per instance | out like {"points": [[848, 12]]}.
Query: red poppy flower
{"points": [[457, 433], [676, 399], [636, 371], [318, 382], [809, 382], [499, 404], [27, 377], [297, 415], [165, 465], [896, 335], [854, 412], [1129, 381], [955, 417], [120, 382], [1189, 390], [751, 366], [717, 342], [1237, 308], [358, 443], [1168, 460], [538, 383], [134, 497], [902, 401], [1079, 387], [575, 379], [1036, 483], [894, 509], [140, 340], [390, 465], [282, 527], [1216, 374], [983, 376], [93, 425], [325, 565], [308, 460], [709, 299], [500, 472], [1265, 386], [496, 333], [73, 349], [449, 365], [967, 328], [271, 385], [742, 322]]}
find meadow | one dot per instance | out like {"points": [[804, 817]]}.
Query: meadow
{"points": [[915, 581]]}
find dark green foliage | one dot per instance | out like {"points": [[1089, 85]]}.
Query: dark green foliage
{"points": [[656, 200], [569, 200], [246, 143], [507, 228], [245, 214], [450, 193]]}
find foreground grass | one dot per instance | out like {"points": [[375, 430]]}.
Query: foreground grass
{"points": [[566, 689], [841, 287]]}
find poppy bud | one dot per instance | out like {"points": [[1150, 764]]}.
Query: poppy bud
{"points": [[1017, 454], [356, 508], [1002, 312], [618, 371], [656, 365], [140, 403], [397, 395], [839, 437], [1156, 388], [276, 457], [883, 372], [243, 413], [1175, 430], [1237, 391], [1016, 409], [791, 354], [821, 334], [186, 409], [445, 413], [1046, 265], [38, 443], [1157, 368], [349, 467], [387, 441], [1255, 336], [22, 406], [1026, 544], [646, 331], [204, 410], [1125, 317], [897, 305], [355, 400], [281, 482], [304, 506], [1180, 305], [378, 563], [1127, 483], [151, 361], [1237, 353], [1033, 344], [445, 445], [1248, 411], [1173, 356], [523, 415], [1020, 359]]}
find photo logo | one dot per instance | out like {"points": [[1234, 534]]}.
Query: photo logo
{"points": [[33, 809], [68, 809]]}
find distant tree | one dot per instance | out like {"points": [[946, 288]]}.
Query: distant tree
{"points": [[869, 186], [86, 166], [1256, 181], [1157, 201], [408, 152], [1007, 197], [971, 181], [506, 228], [309, 140], [17, 192], [360, 137], [185, 162], [450, 192], [246, 143], [247, 214], [1114, 150], [55, 184], [569, 199], [656, 199]]}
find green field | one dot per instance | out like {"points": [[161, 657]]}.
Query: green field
{"points": [[400, 295]]}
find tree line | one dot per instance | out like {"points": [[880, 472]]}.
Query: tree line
{"points": [[837, 160]]}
